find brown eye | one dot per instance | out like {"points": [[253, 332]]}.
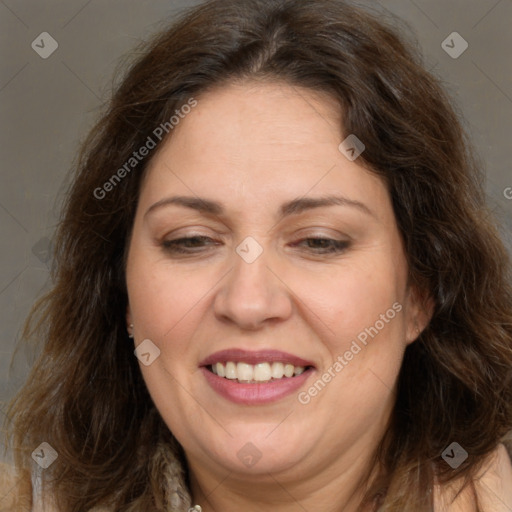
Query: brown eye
{"points": [[186, 245], [325, 245]]}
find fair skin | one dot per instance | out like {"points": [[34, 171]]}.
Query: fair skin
{"points": [[490, 490], [252, 148]]}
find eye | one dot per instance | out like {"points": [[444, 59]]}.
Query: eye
{"points": [[186, 245], [325, 245], [195, 244]]}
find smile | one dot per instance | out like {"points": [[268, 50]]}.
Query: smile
{"points": [[252, 378]]}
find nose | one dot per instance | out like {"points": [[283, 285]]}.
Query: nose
{"points": [[252, 295]]}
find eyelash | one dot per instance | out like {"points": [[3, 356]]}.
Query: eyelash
{"points": [[176, 246]]}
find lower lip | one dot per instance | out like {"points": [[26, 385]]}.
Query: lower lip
{"points": [[255, 394]]}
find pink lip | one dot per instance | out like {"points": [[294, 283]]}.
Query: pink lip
{"points": [[257, 393], [245, 356]]}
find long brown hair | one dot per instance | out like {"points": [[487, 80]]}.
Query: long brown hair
{"points": [[85, 394]]}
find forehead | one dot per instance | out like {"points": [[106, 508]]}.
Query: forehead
{"points": [[236, 121], [267, 139], [257, 112]]}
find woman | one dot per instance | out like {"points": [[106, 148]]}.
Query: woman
{"points": [[280, 214]]}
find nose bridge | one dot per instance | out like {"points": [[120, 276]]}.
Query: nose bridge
{"points": [[251, 292]]}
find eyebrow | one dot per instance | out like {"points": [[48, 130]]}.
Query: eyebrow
{"points": [[293, 207]]}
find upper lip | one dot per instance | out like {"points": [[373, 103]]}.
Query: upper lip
{"points": [[254, 357]]}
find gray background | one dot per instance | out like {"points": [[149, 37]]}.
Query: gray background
{"points": [[47, 106]]}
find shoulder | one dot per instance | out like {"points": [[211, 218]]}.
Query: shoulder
{"points": [[15, 490], [493, 484], [490, 491]]}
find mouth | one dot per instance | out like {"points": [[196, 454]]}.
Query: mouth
{"points": [[255, 377]]}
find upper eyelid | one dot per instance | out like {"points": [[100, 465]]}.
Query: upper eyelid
{"points": [[335, 240], [292, 234], [177, 232], [314, 236]]}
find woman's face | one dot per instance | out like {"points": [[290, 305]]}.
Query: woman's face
{"points": [[253, 165]]}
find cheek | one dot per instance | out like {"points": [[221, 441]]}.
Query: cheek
{"points": [[163, 301], [348, 299], [362, 318], [359, 316]]}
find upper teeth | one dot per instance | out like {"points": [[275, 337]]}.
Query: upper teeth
{"points": [[261, 372]]}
